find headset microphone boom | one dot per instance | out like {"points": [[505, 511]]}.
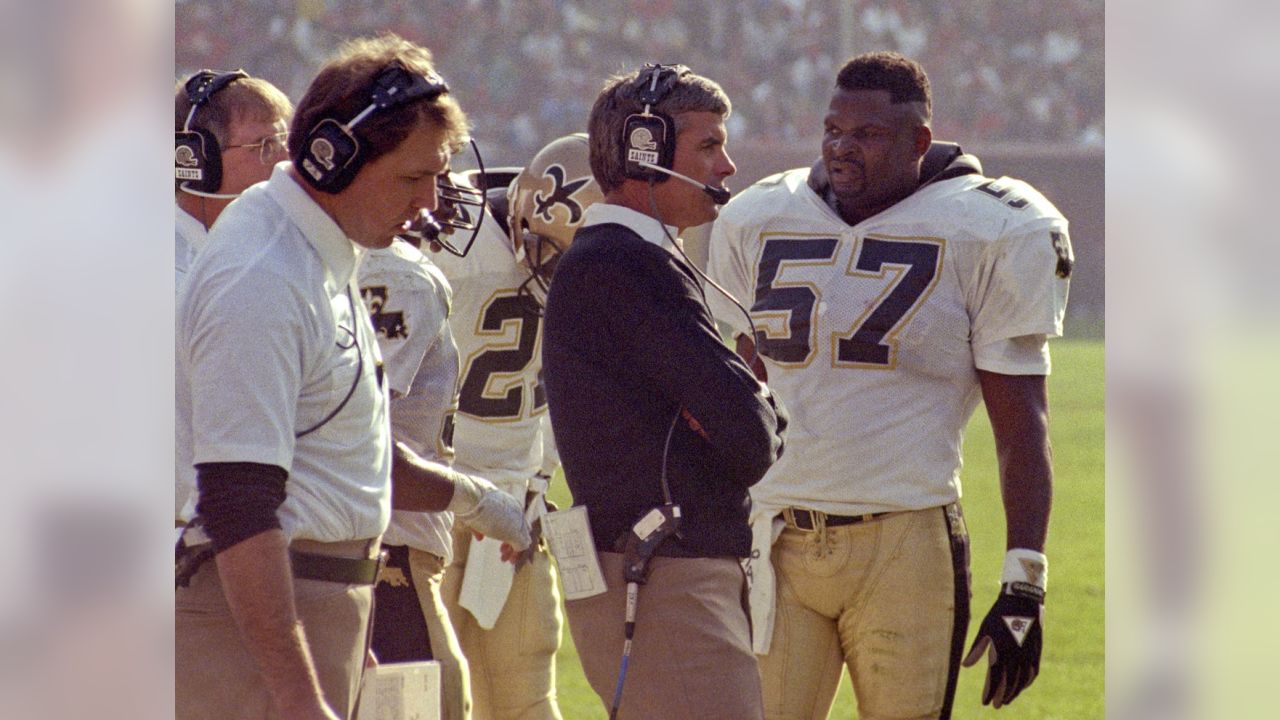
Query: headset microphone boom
{"points": [[719, 196]]}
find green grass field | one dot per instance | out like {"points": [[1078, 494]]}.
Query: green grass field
{"points": [[1070, 685]]}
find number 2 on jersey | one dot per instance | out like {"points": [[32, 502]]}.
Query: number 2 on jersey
{"points": [[870, 342], [475, 397]]}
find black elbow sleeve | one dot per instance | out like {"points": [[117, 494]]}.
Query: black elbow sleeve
{"points": [[238, 500]]}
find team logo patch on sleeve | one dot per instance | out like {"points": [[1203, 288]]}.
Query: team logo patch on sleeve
{"points": [[1066, 258], [388, 324]]}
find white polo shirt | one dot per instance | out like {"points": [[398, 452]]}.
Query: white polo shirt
{"points": [[189, 238], [272, 334]]}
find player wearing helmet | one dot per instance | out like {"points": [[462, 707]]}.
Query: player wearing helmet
{"points": [[506, 615], [548, 200]]}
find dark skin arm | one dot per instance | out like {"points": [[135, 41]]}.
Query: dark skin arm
{"points": [[418, 484], [746, 349], [422, 485], [1018, 407]]}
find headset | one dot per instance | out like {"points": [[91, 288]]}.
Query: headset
{"points": [[649, 137], [332, 153], [197, 157]]}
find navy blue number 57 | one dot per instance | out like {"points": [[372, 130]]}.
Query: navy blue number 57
{"points": [[914, 265]]}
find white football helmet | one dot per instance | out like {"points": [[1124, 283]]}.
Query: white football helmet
{"points": [[546, 202]]}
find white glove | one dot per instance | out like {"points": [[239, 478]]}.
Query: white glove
{"points": [[479, 504]]}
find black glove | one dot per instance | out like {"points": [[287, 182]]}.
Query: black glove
{"points": [[1012, 630]]}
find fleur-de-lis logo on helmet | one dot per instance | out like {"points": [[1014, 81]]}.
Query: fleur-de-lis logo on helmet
{"points": [[547, 202], [561, 194]]}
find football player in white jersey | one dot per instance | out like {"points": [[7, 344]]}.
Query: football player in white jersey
{"points": [[508, 615], [886, 300], [409, 302]]}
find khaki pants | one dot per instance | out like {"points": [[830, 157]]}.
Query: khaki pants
{"points": [[691, 654], [216, 677], [428, 576], [513, 665], [888, 598]]}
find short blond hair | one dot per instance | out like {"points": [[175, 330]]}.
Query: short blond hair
{"points": [[252, 99]]}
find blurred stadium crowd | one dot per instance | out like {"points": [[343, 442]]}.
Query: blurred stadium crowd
{"points": [[526, 70]]}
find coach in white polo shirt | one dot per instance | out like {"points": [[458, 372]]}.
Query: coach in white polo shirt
{"points": [[282, 405]]}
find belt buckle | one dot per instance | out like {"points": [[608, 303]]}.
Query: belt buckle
{"points": [[792, 516]]}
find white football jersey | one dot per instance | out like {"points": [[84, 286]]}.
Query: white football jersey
{"points": [[408, 300], [871, 333], [501, 402]]}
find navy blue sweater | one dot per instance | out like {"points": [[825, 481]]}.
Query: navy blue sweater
{"points": [[628, 342]]}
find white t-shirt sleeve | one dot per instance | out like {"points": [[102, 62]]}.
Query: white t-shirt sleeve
{"points": [[406, 324], [1022, 355], [421, 415]]}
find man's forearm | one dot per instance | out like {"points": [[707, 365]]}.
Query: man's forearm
{"points": [[1018, 407], [417, 484], [258, 585], [1026, 485]]}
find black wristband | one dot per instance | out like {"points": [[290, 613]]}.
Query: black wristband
{"points": [[238, 500], [1026, 590]]}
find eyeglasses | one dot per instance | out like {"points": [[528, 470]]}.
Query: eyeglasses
{"points": [[270, 148]]}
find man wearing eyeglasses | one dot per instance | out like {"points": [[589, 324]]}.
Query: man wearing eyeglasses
{"points": [[249, 118]]}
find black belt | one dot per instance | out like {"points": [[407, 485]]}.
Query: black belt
{"points": [[804, 519], [327, 568], [306, 566]]}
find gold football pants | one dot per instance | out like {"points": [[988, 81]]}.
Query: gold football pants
{"points": [[513, 664], [888, 598]]}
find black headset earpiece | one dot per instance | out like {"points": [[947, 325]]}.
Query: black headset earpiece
{"points": [[650, 136], [332, 155], [197, 157]]}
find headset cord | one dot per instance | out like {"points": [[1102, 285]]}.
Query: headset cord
{"points": [[633, 589], [201, 194], [355, 342], [728, 295], [629, 627]]}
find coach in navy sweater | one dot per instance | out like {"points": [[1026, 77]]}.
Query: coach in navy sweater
{"points": [[638, 380]]}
